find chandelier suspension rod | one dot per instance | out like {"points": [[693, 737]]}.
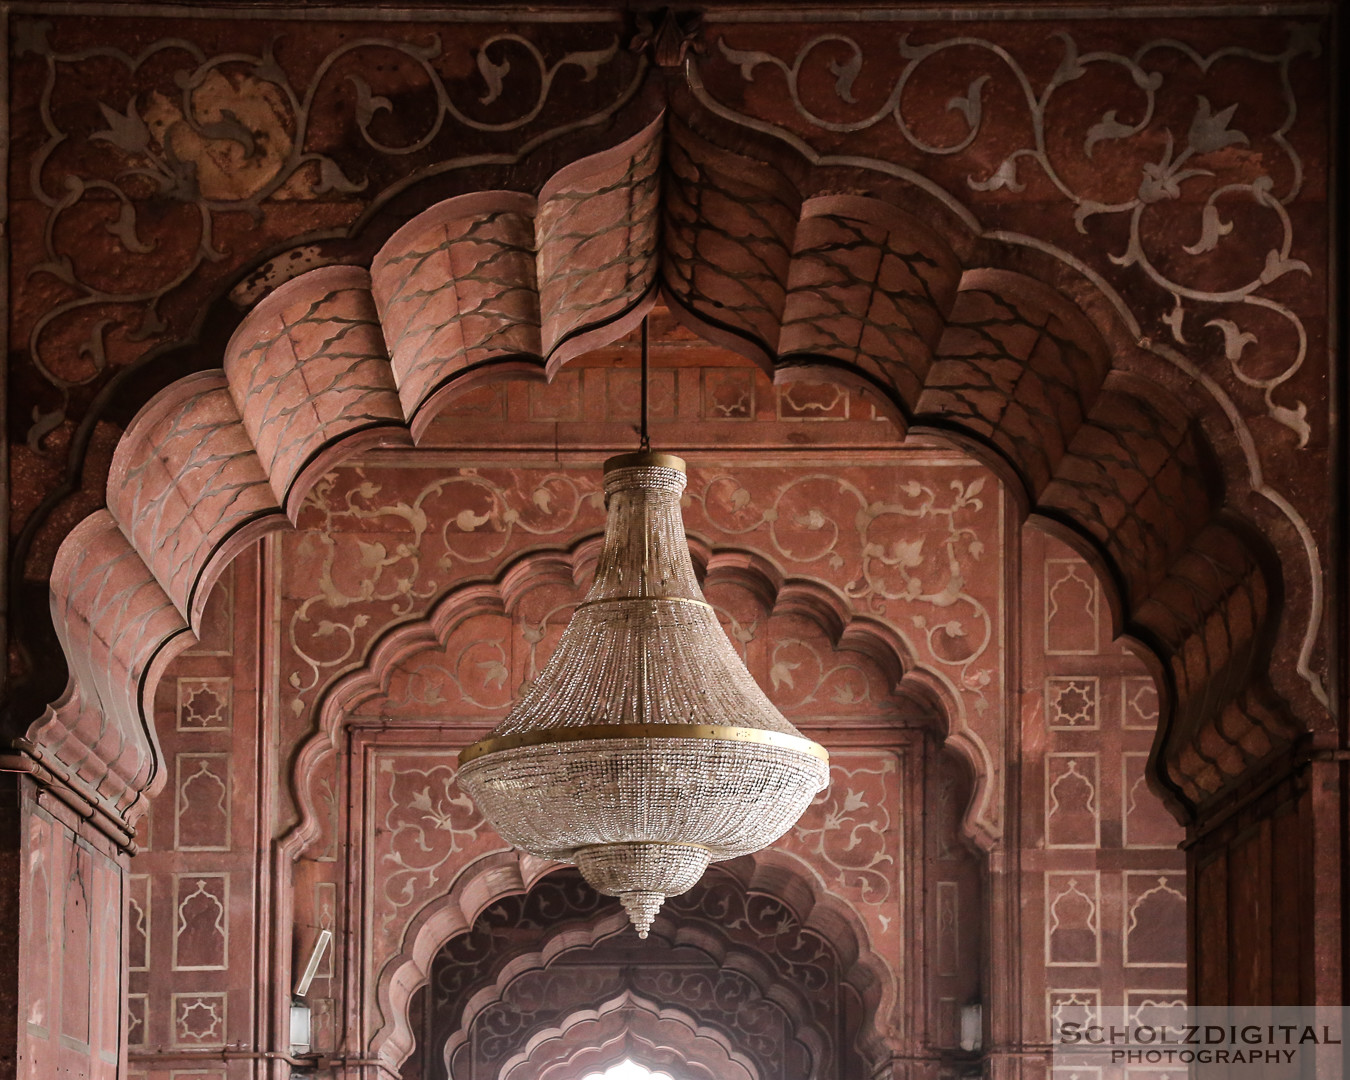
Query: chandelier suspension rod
{"points": [[645, 444], [644, 439]]}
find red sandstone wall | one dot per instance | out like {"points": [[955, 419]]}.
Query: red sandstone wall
{"points": [[197, 900], [69, 945], [1103, 881], [101, 280]]}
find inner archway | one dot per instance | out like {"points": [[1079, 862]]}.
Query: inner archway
{"points": [[507, 999], [627, 1069], [495, 548], [390, 728]]}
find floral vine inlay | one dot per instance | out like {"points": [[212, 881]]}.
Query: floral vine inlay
{"points": [[895, 568], [426, 820], [1181, 150], [196, 136], [850, 830]]}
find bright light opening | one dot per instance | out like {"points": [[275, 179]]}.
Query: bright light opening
{"points": [[627, 1070]]}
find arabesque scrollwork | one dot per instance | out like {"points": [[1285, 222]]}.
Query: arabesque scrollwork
{"points": [[850, 830], [426, 820], [473, 517], [1180, 150], [202, 136], [923, 586]]}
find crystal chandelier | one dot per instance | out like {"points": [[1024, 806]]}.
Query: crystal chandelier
{"points": [[644, 750]]}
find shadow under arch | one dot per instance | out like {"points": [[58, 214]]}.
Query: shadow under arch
{"points": [[630, 1028], [672, 931], [783, 876]]}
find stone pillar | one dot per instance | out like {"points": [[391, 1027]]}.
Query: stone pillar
{"points": [[1005, 1059], [62, 972], [11, 861], [1268, 899]]}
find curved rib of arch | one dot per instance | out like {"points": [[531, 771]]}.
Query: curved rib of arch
{"points": [[498, 285]]}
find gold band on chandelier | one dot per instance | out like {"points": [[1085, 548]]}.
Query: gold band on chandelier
{"points": [[620, 600], [645, 459], [605, 732]]}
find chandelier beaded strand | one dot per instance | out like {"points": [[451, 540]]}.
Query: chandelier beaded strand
{"points": [[644, 750]]}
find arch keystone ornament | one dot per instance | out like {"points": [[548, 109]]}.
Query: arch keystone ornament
{"points": [[644, 751]]}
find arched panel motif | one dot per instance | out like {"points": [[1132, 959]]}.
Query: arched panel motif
{"points": [[436, 685], [741, 965]]}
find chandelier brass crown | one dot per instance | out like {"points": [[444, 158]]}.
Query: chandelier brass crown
{"points": [[644, 750]]}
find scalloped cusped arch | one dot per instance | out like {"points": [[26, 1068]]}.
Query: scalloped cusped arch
{"points": [[500, 284], [534, 998], [628, 1028], [762, 953], [830, 620], [861, 927]]}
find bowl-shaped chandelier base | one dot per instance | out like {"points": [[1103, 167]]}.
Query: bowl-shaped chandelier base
{"points": [[729, 791], [643, 811], [642, 875]]}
